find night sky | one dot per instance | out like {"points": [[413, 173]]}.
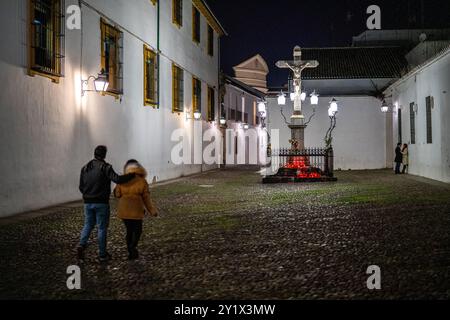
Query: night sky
{"points": [[273, 27]]}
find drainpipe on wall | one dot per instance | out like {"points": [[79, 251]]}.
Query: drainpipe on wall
{"points": [[158, 50], [219, 98]]}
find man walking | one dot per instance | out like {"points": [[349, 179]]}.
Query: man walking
{"points": [[398, 158], [95, 185]]}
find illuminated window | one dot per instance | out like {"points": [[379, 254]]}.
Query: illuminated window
{"points": [[211, 104], [150, 76], [177, 89], [196, 95], [195, 25], [177, 12], [210, 41], [111, 56], [47, 27]]}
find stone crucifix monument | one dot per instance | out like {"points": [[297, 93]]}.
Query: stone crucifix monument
{"points": [[297, 125]]}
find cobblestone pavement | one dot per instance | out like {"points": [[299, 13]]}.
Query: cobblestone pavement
{"points": [[224, 235]]}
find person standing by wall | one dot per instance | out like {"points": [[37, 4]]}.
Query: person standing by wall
{"points": [[405, 158], [398, 158], [95, 185]]}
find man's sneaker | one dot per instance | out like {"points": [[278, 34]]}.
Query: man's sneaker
{"points": [[80, 252], [105, 258]]}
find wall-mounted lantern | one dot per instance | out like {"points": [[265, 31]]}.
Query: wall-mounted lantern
{"points": [[101, 83], [384, 107], [197, 115]]}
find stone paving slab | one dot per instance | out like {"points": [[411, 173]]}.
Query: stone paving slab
{"points": [[240, 239]]}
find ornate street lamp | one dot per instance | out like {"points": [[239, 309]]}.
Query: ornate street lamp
{"points": [[262, 107], [333, 108], [262, 112], [303, 96], [314, 98], [281, 99], [332, 111]]}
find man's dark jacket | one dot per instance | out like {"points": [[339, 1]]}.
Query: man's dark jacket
{"points": [[398, 155], [95, 181]]}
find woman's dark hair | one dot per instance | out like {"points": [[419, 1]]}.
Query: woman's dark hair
{"points": [[405, 146], [131, 161]]}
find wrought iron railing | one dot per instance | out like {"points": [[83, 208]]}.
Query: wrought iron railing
{"points": [[311, 161]]}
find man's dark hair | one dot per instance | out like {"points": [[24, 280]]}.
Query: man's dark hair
{"points": [[399, 144], [100, 152]]}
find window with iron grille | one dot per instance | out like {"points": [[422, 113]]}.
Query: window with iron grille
{"points": [[177, 89], [150, 76], [177, 12], [196, 95], [412, 123], [399, 125], [211, 104], [210, 41], [195, 25], [429, 105], [46, 56], [112, 56]]}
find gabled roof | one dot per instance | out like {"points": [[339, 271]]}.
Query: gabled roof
{"points": [[254, 63], [355, 63]]}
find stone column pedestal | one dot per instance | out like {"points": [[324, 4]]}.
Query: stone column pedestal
{"points": [[298, 127]]}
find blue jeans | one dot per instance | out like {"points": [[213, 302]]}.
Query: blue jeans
{"points": [[96, 214], [397, 167]]}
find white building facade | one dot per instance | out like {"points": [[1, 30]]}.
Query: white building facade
{"points": [[421, 116], [244, 129], [161, 59]]}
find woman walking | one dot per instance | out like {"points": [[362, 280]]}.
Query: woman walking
{"points": [[134, 199], [405, 158]]}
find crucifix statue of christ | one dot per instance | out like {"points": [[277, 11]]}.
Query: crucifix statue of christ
{"points": [[297, 125]]}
